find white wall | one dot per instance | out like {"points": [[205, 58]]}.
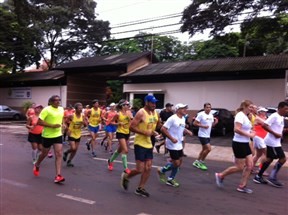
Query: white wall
{"points": [[225, 94], [39, 95]]}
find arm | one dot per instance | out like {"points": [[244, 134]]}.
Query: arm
{"points": [[45, 124], [215, 122], [165, 131], [197, 123], [238, 130], [28, 123], [267, 128]]}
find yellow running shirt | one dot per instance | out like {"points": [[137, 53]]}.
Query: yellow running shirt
{"points": [[95, 117], [149, 124], [52, 115], [123, 123], [75, 126]]}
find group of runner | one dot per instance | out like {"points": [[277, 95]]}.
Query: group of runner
{"points": [[250, 124]]}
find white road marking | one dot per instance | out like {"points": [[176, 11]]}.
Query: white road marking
{"points": [[78, 199], [14, 183], [143, 214], [116, 161], [1, 144]]}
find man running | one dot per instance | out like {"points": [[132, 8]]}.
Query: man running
{"points": [[51, 117], [144, 124], [205, 121], [94, 119], [174, 129], [274, 125], [77, 121]]}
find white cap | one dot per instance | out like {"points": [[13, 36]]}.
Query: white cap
{"points": [[112, 104], [262, 109], [180, 105]]}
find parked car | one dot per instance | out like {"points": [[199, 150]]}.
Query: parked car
{"points": [[225, 122], [9, 113]]}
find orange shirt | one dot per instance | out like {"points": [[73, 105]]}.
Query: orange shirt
{"points": [[37, 129], [260, 131]]}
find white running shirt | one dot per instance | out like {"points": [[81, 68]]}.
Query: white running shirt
{"points": [[246, 126], [276, 123], [175, 127], [205, 119]]}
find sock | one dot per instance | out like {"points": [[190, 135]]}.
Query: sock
{"points": [[265, 165], [114, 156], [275, 170], [166, 168], [124, 161], [173, 172], [34, 154]]}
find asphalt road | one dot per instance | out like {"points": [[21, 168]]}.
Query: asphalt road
{"points": [[91, 189]]}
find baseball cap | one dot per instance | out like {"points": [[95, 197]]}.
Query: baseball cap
{"points": [[150, 98], [180, 105], [168, 105], [112, 104], [262, 109]]}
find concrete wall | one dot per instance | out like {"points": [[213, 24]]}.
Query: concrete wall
{"points": [[222, 94], [39, 95]]}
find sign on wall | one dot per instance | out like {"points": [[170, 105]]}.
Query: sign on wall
{"points": [[19, 93]]}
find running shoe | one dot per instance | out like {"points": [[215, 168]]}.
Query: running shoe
{"points": [[87, 145], [259, 180], [127, 171], [110, 165], [172, 183], [93, 154], [141, 192], [69, 164], [50, 154], [124, 181], [65, 154], [59, 179], [203, 166], [219, 180], [36, 170], [196, 164], [244, 190], [274, 182], [161, 175]]}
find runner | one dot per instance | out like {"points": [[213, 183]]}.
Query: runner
{"points": [[110, 126], [30, 111], [123, 118], [241, 148], [144, 124], [258, 140], [205, 121], [68, 113], [274, 125], [77, 121], [35, 131], [51, 117], [174, 129], [94, 119]]}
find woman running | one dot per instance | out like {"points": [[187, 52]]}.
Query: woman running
{"points": [[123, 119], [35, 131]]}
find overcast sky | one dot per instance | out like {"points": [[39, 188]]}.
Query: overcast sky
{"points": [[121, 11]]}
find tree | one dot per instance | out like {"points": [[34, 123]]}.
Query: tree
{"points": [[63, 29], [266, 35], [17, 40], [218, 14]]}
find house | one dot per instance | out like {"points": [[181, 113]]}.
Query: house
{"points": [[222, 82], [78, 81]]}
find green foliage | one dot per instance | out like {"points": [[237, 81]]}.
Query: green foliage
{"points": [[26, 105], [215, 15], [137, 104], [61, 29], [116, 87]]}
